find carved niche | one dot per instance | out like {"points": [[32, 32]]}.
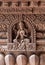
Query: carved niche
{"points": [[20, 31], [22, 35]]}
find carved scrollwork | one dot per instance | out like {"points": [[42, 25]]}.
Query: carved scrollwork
{"points": [[3, 27]]}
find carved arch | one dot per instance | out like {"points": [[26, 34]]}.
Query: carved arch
{"points": [[30, 24], [10, 30], [33, 31]]}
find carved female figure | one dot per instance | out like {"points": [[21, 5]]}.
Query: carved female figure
{"points": [[21, 32]]}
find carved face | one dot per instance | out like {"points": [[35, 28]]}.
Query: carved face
{"points": [[21, 25]]}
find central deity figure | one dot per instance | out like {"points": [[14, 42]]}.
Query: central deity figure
{"points": [[21, 40], [21, 32]]}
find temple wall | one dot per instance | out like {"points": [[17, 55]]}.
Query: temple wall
{"points": [[28, 50]]}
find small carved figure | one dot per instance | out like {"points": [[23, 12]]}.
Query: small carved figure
{"points": [[21, 32], [21, 40]]}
